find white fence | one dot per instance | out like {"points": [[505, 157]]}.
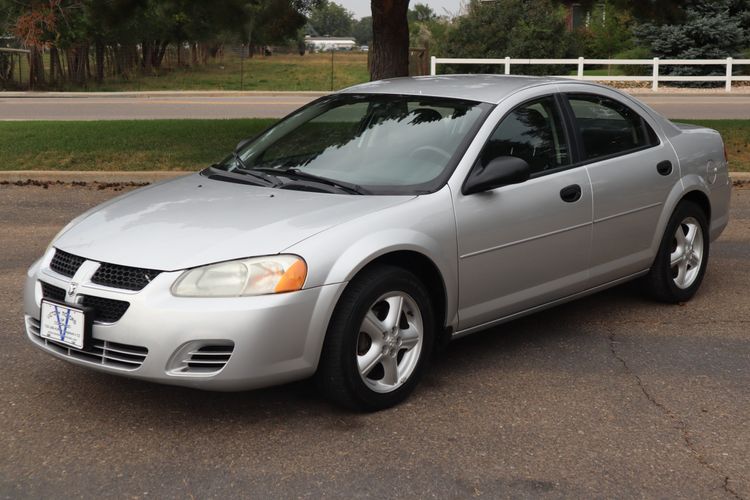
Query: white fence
{"points": [[654, 77]]}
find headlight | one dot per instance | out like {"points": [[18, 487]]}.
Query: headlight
{"points": [[240, 278]]}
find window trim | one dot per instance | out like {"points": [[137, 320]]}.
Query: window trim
{"points": [[575, 131], [565, 130]]}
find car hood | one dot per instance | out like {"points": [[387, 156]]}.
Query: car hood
{"points": [[193, 220]]}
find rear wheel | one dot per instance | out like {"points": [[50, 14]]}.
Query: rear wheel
{"points": [[378, 341], [679, 267]]}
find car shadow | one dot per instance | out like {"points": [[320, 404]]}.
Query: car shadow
{"points": [[136, 399]]}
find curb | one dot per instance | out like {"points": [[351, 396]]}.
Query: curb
{"points": [[26, 177], [22, 177], [651, 93], [167, 93]]}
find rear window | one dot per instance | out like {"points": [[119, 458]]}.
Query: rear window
{"points": [[608, 127]]}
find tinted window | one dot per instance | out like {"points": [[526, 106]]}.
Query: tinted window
{"points": [[532, 132], [608, 127]]}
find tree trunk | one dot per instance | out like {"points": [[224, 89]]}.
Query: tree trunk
{"points": [[146, 56], [99, 53], [390, 39], [161, 50], [194, 53], [55, 71], [36, 68]]}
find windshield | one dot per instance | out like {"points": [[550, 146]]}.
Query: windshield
{"points": [[371, 143]]}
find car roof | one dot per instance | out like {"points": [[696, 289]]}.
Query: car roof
{"points": [[485, 88]]}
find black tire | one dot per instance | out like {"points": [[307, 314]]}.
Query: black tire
{"points": [[659, 283], [338, 376]]}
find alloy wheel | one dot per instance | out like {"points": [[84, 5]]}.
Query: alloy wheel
{"points": [[686, 256], [390, 342]]}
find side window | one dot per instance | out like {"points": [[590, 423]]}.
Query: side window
{"points": [[532, 132], [608, 127]]}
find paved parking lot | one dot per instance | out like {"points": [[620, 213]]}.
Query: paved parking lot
{"points": [[610, 396]]}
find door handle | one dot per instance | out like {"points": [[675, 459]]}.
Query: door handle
{"points": [[571, 194], [664, 167]]}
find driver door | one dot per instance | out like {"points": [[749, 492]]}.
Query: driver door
{"points": [[525, 244]]}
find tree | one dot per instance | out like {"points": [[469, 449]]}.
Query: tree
{"points": [[274, 22], [514, 28], [331, 19], [389, 56], [426, 28], [128, 36], [421, 13], [711, 30], [609, 32], [362, 30]]}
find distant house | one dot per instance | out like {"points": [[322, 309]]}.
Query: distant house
{"points": [[327, 43]]}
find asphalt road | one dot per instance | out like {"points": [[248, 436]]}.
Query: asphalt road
{"points": [[609, 396], [148, 108], [266, 106]]}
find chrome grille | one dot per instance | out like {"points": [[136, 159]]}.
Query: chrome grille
{"points": [[100, 352], [128, 278], [105, 310], [65, 263]]}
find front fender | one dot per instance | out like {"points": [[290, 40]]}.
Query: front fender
{"points": [[425, 225]]}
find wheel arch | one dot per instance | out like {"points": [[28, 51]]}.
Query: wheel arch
{"points": [[691, 188], [701, 199], [425, 270]]}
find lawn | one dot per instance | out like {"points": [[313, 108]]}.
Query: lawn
{"points": [[611, 71], [278, 72], [121, 145], [189, 144], [736, 135]]}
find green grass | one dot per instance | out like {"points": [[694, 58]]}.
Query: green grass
{"points": [[736, 135], [289, 72], [121, 145], [189, 144], [612, 71]]}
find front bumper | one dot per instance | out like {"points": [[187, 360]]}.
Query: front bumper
{"points": [[269, 339]]}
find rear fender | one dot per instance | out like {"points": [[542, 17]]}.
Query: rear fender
{"points": [[679, 190]]}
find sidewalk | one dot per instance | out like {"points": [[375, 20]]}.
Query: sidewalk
{"points": [[641, 92]]}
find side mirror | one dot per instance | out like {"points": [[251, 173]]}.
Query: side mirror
{"points": [[501, 171]]}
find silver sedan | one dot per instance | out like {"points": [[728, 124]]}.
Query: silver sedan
{"points": [[354, 236]]}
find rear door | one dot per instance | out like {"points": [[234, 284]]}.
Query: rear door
{"points": [[525, 244], [632, 172]]}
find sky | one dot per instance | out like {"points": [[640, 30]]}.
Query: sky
{"points": [[361, 8]]}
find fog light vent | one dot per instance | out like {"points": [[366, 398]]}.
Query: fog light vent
{"points": [[202, 358]]}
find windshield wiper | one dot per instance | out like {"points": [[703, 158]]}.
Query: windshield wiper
{"points": [[297, 174], [236, 173], [267, 180]]}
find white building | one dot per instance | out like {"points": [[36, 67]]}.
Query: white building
{"points": [[326, 43]]}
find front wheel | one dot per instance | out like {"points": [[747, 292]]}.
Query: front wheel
{"points": [[679, 267], [379, 340]]}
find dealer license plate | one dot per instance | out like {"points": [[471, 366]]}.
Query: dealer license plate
{"points": [[63, 324]]}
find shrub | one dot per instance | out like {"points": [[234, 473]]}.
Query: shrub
{"points": [[635, 53]]}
